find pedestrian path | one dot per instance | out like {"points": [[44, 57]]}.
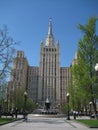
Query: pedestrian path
{"points": [[80, 117], [44, 123]]}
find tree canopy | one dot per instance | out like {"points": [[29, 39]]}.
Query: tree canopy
{"points": [[83, 72]]}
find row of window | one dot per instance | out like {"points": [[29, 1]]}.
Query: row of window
{"points": [[50, 49]]}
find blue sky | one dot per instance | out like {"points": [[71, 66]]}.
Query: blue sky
{"points": [[27, 22]]}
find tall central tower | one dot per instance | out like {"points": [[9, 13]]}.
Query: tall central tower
{"points": [[49, 70]]}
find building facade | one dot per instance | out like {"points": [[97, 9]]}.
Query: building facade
{"points": [[49, 80], [65, 76], [33, 80], [18, 78], [49, 70], [19, 72]]}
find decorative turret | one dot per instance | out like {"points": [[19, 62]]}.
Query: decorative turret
{"points": [[50, 38]]}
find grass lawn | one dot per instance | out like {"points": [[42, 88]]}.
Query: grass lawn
{"points": [[89, 122], [6, 120]]}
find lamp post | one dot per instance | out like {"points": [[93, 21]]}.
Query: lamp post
{"points": [[25, 98], [5, 105], [96, 69], [68, 116], [90, 104], [25, 101]]}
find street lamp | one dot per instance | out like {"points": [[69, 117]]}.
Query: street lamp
{"points": [[25, 101], [68, 116], [5, 105], [96, 67], [25, 98], [90, 103]]}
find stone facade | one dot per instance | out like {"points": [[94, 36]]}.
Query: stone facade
{"points": [[33, 76], [18, 76], [65, 76], [49, 80], [49, 70]]}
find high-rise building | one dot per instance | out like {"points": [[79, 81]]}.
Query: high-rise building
{"points": [[18, 76], [49, 81], [49, 70]]}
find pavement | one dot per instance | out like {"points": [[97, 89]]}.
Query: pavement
{"points": [[36, 122]]}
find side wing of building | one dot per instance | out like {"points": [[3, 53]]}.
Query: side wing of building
{"points": [[32, 85], [65, 77]]}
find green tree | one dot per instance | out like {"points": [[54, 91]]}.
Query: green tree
{"points": [[83, 72], [19, 100], [30, 105]]}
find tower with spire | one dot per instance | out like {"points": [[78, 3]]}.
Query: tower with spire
{"points": [[47, 82], [50, 38], [49, 70]]}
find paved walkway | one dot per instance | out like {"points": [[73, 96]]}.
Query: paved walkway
{"points": [[44, 123]]}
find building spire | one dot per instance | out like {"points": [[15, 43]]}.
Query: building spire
{"points": [[50, 39], [50, 27]]}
